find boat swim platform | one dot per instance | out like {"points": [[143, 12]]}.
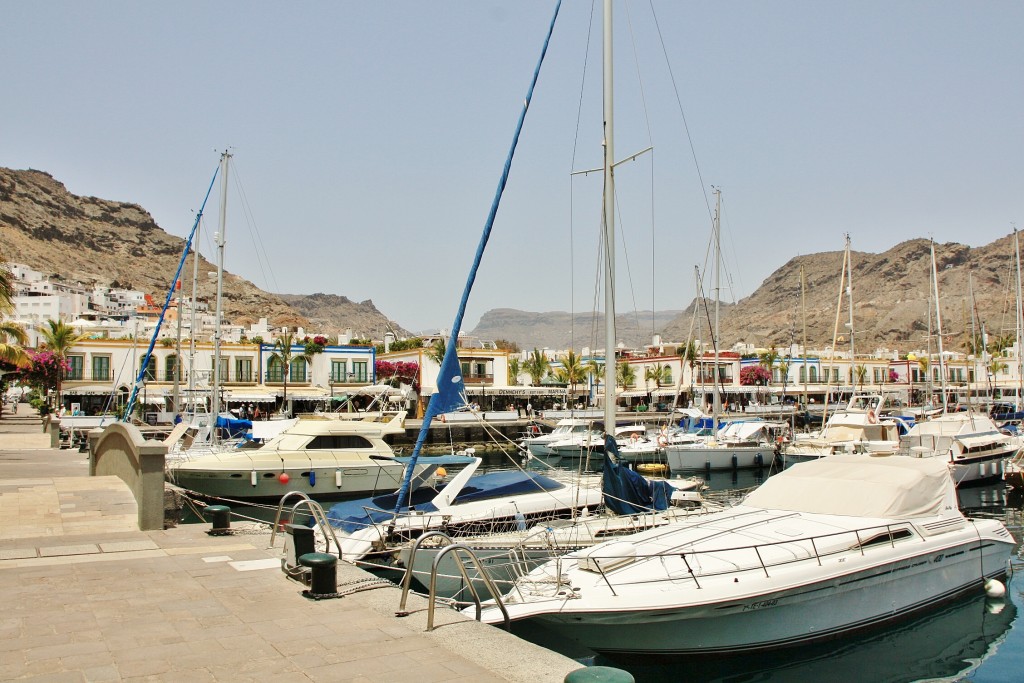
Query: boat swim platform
{"points": [[86, 596]]}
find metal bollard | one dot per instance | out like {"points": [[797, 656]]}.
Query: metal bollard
{"points": [[323, 574], [221, 519]]}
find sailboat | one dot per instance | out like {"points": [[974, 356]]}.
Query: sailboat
{"points": [[975, 448], [737, 444]]}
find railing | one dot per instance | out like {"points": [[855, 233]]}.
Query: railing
{"points": [[453, 548], [760, 557]]}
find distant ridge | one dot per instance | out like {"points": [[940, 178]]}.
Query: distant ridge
{"points": [[560, 329]]}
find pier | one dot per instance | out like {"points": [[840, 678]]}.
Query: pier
{"points": [[87, 596]]}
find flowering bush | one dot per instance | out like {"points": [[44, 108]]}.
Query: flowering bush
{"points": [[320, 339], [893, 376], [400, 372], [755, 375], [46, 370]]}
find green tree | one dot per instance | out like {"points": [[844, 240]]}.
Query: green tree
{"points": [[435, 351], [659, 374], [768, 359], [690, 354], [59, 338], [572, 373], [513, 371], [285, 355], [537, 366], [625, 374]]}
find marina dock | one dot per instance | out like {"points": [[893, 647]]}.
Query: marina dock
{"points": [[86, 596]]}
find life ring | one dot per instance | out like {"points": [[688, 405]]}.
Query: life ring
{"points": [[662, 440], [872, 418]]}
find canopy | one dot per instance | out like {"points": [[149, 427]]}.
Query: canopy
{"points": [[893, 487]]}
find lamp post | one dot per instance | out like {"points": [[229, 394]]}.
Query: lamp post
{"points": [[911, 359]]}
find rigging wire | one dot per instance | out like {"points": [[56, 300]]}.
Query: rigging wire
{"points": [[260, 248]]}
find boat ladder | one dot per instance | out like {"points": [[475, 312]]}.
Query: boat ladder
{"points": [[316, 511], [454, 548]]}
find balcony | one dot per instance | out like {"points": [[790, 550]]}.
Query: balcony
{"points": [[478, 379]]}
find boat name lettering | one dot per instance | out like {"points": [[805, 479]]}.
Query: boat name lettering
{"points": [[761, 604]]}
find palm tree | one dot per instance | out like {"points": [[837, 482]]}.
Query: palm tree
{"points": [[994, 367], [284, 355], [513, 371], [861, 372], [659, 374], [572, 371], [59, 338], [767, 360], [536, 366], [625, 375], [436, 351]]}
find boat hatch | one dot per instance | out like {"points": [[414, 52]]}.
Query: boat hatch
{"points": [[792, 533], [606, 557]]}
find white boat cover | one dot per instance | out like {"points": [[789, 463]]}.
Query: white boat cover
{"points": [[859, 486]]}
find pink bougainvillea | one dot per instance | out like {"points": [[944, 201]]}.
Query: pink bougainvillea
{"points": [[755, 375], [399, 372]]}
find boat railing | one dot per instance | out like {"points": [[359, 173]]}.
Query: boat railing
{"points": [[316, 511], [760, 557], [454, 549]]}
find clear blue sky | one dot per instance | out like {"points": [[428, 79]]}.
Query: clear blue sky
{"points": [[369, 137]]}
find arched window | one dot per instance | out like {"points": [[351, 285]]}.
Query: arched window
{"points": [[813, 374], [275, 370], [150, 369], [298, 371], [170, 367]]}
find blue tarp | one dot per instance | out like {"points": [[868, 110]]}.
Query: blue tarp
{"points": [[625, 491], [233, 427]]}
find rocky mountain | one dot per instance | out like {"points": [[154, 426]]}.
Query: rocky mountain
{"points": [[95, 241], [560, 330], [333, 312], [891, 298]]}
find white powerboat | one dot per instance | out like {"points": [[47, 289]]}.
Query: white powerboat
{"points": [[538, 444], [861, 427], [737, 445], [319, 456], [369, 529], [969, 441], [824, 548]]}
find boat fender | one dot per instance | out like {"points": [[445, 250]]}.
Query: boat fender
{"points": [[735, 461], [759, 459], [312, 478], [252, 478], [995, 588], [283, 478], [337, 478]]}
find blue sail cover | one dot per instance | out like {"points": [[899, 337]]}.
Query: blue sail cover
{"points": [[625, 491], [233, 427]]}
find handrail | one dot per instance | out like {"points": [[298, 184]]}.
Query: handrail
{"points": [[432, 593], [280, 508], [316, 511]]}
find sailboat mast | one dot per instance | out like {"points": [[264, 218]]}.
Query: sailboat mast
{"points": [[1020, 325], [849, 305], [938, 327], [609, 227], [215, 400], [717, 407], [803, 315]]}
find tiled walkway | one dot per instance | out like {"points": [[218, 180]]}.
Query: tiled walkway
{"points": [[85, 596]]}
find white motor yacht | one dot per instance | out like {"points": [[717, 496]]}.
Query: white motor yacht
{"points": [[737, 445], [319, 456], [969, 441], [824, 548], [863, 426], [539, 444]]}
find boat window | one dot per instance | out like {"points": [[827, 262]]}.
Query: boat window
{"points": [[886, 537], [335, 442]]}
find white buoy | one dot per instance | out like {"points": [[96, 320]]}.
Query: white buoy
{"points": [[252, 477], [994, 588]]}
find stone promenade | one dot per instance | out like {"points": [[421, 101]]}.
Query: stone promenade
{"points": [[86, 596]]}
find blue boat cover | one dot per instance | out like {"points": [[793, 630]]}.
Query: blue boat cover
{"points": [[625, 491], [234, 428]]}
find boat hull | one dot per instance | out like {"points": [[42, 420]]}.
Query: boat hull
{"points": [[325, 482], [719, 458], [830, 608]]}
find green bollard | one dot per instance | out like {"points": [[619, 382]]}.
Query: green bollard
{"points": [[221, 519], [599, 674]]}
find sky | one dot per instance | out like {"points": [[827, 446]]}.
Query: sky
{"points": [[368, 138]]}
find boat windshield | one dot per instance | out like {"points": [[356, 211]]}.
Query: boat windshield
{"points": [[503, 484]]}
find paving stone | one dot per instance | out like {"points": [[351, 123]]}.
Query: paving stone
{"points": [[61, 550]]}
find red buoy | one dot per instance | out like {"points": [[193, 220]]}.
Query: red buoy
{"points": [[283, 477]]}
